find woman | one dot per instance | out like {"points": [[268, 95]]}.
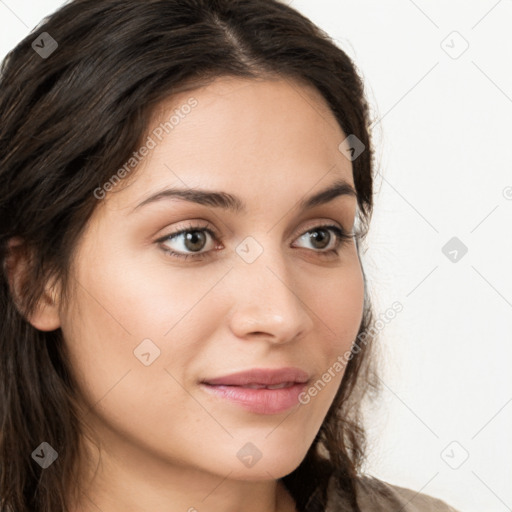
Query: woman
{"points": [[185, 185]]}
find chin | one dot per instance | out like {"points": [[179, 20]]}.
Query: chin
{"points": [[271, 470], [272, 461]]}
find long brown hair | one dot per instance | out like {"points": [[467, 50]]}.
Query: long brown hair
{"points": [[72, 114]]}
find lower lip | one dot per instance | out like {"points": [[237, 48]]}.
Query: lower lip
{"points": [[260, 401]]}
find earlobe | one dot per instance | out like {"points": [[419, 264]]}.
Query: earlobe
{"points": [[45, 315]]}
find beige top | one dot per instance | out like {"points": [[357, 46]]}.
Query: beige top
{"points": [[375, 495]]}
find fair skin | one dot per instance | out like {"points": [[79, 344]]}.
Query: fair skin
{"points": [[166, 444]]}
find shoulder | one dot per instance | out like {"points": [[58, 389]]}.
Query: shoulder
{"points": [[374, 495]]}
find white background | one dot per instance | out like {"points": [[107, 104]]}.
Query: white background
{"points": [[442, 126]]}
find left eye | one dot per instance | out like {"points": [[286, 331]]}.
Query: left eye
{"points": [[194, 239], [321, 236]]}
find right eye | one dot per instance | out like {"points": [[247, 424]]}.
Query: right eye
{"points": [[192, 238]]}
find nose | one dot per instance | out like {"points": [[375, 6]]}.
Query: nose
{"points": [[268, 301]]}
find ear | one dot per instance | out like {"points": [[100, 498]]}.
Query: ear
{"points": [[45, 315]]}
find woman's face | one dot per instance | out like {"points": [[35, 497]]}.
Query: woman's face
{"points": [[256, 288]]}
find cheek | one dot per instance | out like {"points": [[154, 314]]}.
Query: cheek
{"points": [[338, 307], [151, 296], [138, 294], [121, 301], [108, 319]]}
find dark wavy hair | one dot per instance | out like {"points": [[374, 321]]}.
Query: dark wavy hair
{"points": [[68, 121]]}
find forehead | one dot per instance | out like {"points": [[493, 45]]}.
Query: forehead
{"points": [[258, 107], [248, 136]]}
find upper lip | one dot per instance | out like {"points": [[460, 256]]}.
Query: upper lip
{"points": [[263, 376]]}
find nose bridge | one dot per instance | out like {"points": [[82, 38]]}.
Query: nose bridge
{"points": [[265, 300]]}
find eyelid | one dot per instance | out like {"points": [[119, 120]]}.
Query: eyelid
{"points": [[324, 223], [192, 226]]}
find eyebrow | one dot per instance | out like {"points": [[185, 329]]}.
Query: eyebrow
{"points": [[226, 201]]}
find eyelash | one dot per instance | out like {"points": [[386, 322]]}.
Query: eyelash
{"points": [[342, 238]]}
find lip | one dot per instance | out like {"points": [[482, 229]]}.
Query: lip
{"points": [[261, 401], [264, 376]]}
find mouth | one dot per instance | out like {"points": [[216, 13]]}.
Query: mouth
{"points": [[247, 391]]}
